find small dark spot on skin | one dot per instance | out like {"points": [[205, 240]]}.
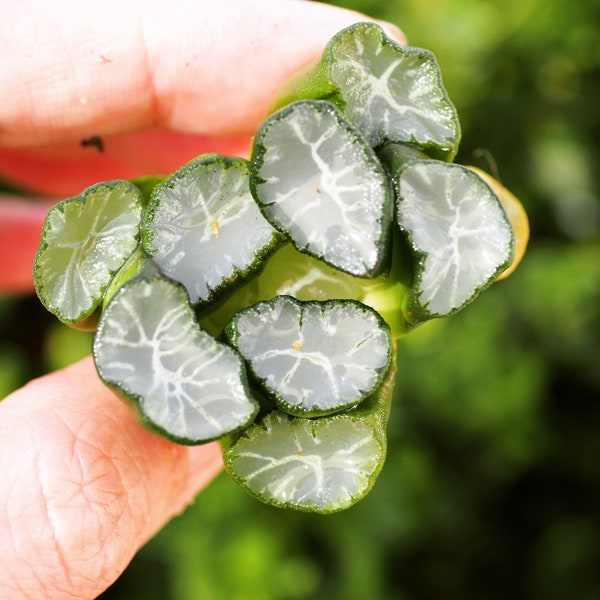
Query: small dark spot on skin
{"points": [[318, 190], [95, 141]]}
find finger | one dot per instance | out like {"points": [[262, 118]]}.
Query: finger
{"points": [[200, 66], [20, 225], [65, 169], [117, 68], [83, 485]]}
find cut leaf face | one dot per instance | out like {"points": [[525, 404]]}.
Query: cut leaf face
{"points": [[516, 215], [321, 465], [85, 240], [391, 92], [458, 228], [197, 288], [203, 228], [185, 384], [318, 181], [314, 358]]}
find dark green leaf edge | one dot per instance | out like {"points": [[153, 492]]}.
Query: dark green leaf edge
{"points": [[87, 318], [135, 401], [374, 411], [316, 83], [232, 335], [239, 276], [257, 158], [417, 312]]}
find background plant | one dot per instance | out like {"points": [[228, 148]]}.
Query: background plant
{"points": [[492, 466]]}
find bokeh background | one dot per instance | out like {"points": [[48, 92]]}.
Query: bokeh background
{"points": [[492, 484]]}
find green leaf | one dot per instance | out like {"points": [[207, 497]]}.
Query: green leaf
{"points": [[203, 228], [183, 383], [292, 273], [390, 92], [313, 358], [286, 273], [318, 465], [458, 231], [85, 240], [146, 185], [317, 180]]}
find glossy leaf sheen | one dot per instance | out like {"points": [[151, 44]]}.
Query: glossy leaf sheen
{"points": [[315, 358], [458, 228], [317, 180], [392, 92], [321, 465], [185, 383], [85, 240], [203, 227]]}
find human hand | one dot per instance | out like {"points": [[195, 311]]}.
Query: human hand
{"points": [[83, 485]]}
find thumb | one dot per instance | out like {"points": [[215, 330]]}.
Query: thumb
{"points": [[83, 486]]}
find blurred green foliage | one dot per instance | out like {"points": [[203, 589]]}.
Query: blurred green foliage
{"points": [[491, 488]]}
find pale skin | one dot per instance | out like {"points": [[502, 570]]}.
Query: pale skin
{"points": [[82, 485]]}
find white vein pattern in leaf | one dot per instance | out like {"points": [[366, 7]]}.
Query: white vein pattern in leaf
{"points": [[206, 227], [314, 358], [326, 464], [461, 228], [88, 240], [391, 96], [187, 383], [322, 189]]}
